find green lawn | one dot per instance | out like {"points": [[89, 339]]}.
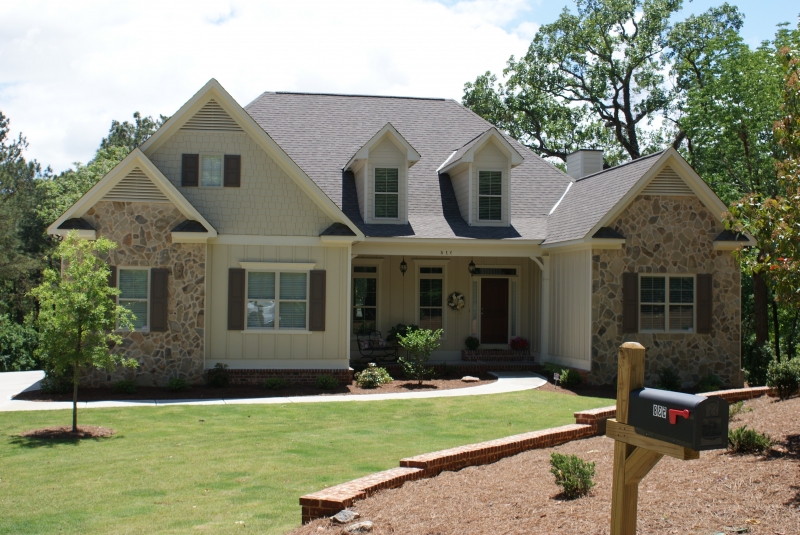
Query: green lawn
{"points": [[196, 469]]}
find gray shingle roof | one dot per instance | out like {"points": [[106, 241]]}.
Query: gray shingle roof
{"points": [[322, 132], [591, 198]]}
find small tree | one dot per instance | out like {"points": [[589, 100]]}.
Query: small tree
{"points": [[77, 315], [420, 343]]}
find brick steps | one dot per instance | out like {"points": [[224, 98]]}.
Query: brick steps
{"points": [[589, 423]]}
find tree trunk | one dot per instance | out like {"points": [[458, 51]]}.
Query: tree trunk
{"points": [[760, 309], [75, 400], [776, 327]]}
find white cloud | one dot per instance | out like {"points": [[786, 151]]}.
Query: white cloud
{"points": [[68, 68]]}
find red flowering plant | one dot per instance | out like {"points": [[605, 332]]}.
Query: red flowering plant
{"points": [[518, 343]]}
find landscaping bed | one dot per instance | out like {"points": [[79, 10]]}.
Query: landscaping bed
{"points": [[244, 391], [719, 493]]}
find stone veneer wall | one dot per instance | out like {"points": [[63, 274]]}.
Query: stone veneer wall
{"points": [[671, 235], [142, 232]]}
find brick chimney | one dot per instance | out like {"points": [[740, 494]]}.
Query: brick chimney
{"points": [[584, 162]]}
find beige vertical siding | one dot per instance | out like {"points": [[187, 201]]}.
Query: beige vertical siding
{"points": [[268, 203], [270, 350], [386, 154], [460, 182], [570, 308], [398, 296], [490, 158]]}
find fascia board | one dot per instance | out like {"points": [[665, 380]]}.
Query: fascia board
{"points": [[570, 245], [249, 125], [190, 237], [83, 234], [492, 134], [338, 240], [397, 138], [453, 241]]}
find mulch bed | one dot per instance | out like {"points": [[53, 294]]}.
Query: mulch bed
{"points": [[242, 391], [63, 432], [719, 493]]}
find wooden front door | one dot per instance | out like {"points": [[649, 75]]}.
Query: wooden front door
{"points": [[494, 311]]}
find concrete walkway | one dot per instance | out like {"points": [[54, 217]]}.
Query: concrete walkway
{"points": [[12, 383]]}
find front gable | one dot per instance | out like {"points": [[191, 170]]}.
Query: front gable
{"points": [[212, 122]]}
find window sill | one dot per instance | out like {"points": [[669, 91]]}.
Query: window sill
{"points": [[276, 331]]}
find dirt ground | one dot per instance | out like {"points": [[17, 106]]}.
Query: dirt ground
{"points": [[719, 493], [63, 432], [232, 392]]}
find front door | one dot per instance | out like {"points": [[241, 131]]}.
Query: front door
{"points": [[494, 311]]}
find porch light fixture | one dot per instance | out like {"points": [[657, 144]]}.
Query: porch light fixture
{"points": [[471, 267], [403, 266]]}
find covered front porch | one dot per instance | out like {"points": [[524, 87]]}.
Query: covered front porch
{"points": [[491, 297]]}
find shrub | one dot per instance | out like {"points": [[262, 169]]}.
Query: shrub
{"points": [[178, 384], [326, 382], [744, 440], [735, 408], [472, 343], [17, 346], [710, 383], [54, 383], [668, 379], [373, 377], [570, 378], [574, 475], [784, 376], [755, 361], [518, 343], [400, 330], [124, 387], [275, 383], [218, 377], [420, 343]]}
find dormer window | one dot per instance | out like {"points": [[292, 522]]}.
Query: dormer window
{"points": [[490, 194], [211, 170], [386, 192]]}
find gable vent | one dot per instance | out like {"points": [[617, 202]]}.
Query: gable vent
{"points": [[667, 182], [212, 117], [136, 187]]}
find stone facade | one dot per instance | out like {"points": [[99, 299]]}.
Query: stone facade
{"points": [[268, 203], [142, 232], [671, 235]]}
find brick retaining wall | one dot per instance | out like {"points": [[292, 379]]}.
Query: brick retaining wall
{"points": [[589, 423], [293, 376]]}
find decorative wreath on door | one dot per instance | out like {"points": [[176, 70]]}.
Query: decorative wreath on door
{"points": [[456, 301]]}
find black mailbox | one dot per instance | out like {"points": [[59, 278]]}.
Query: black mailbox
{"points": [[695, 422]]}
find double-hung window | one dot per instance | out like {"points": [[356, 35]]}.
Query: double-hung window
{"points": [[211, 170], [386, 192], [365, 298], [431, 298], [133, 291], [490, 194], [666, 303], [281, 296]]}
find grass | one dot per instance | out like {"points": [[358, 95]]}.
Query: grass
{"points": [[201, 469]]}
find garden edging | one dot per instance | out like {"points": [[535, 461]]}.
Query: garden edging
{"points": [[589, 423]]}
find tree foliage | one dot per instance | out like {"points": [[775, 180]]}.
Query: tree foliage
{"points": [[598, 78], [78, 316]]}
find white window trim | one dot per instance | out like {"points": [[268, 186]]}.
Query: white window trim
{"points": [[147, 300], [377, 275], [518, 280], [502, 188], [200, 170], [375, 192], [667, 276], [420, 263], [269, 267]]}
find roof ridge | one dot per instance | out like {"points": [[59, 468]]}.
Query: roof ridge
{"points": [[347, 95], [637, 160]]}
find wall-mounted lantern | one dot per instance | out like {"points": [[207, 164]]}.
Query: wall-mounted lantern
{"points": [[403, 266], [471, 267]]}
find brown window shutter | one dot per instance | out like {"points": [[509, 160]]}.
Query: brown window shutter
{"points": [[704, 305], [630, 302], [190, 170], [233, 171], [316, 301], [112, 280], [235, 299], [159, 290]]}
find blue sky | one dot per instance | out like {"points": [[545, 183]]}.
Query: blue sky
{"points": [[68, 68]]}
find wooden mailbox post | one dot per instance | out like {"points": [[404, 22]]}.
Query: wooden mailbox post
{"points": [[634, 454]]}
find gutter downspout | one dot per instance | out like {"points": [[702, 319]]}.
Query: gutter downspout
{"points": [[544, 308]]}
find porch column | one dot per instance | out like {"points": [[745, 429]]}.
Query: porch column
{"points": [[544, 336]]}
